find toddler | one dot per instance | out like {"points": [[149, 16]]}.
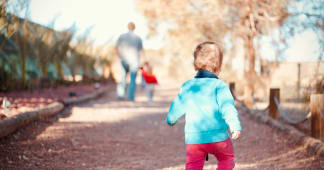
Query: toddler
{"points": [[149, 80], [209, 110]]}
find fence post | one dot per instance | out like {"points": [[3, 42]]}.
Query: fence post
{"points": [[273, 109], [232, 89], [317, 123]]}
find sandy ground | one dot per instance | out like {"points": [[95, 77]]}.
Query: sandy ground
{"points": [[106, 134]]}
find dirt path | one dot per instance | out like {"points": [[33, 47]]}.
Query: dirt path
{"points": [[116, 135]]}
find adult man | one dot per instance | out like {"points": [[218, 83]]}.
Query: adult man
{"points": [[129, 48]]}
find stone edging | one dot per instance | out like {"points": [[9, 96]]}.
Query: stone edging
{"points": [[313, 145], [74, 100], [11, 124]]}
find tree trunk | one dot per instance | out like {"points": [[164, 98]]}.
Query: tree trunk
{"points": [[251, 74], [21, 44], [59, 70], [251, 53], [111, 75], [44, 70]]}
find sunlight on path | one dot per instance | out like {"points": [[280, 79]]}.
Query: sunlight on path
{"points": [[109, 114], [115, 111]]}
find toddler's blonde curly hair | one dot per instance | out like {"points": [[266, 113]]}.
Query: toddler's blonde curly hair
{"points": [[208, 56]]}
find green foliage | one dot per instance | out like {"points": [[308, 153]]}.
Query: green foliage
{"points": [[32, 55], [38, 56]]}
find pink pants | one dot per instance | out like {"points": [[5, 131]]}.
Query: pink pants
{"points": [[223, 151]]}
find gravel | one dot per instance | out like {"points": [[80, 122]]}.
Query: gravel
{"points": [[109, 134]]}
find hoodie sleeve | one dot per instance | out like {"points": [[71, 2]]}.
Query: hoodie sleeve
{"points": [[227, 108], [176, 110]]}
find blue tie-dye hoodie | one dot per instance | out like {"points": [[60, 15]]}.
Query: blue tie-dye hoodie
{"points": [[209, 109]]}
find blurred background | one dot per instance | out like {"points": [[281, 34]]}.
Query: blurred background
{"points": [[278, 43]]}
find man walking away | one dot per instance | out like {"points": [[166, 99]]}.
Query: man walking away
{"points": [[129, 48]]}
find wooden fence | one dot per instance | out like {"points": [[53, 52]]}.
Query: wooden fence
{"points": [[316, 113]]}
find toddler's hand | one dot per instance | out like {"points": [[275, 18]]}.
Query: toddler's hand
{"points": [[236, 134]]}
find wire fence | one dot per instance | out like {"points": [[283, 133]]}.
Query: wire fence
{"points": [[284, 115], [275, 110]]}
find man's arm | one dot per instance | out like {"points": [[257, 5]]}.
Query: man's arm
{"points": [[142, 55], [141, 49]]}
